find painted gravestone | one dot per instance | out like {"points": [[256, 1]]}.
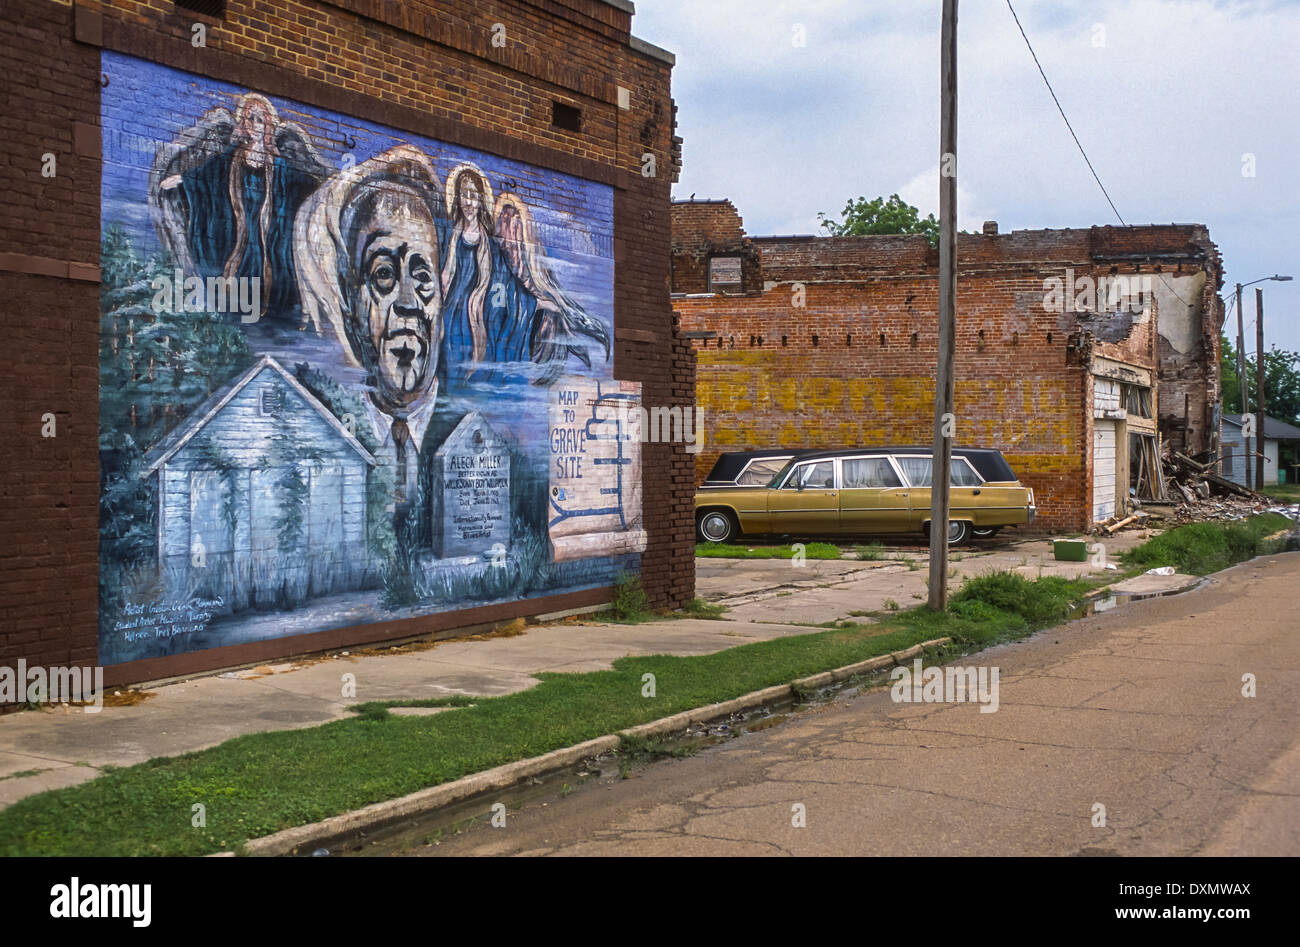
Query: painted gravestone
{"points": [[472, 468], [331, 360]]}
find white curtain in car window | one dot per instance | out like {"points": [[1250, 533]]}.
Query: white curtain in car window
{"points": [[916, 469], [869, 473]]}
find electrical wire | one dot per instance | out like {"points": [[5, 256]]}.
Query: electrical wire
{"points": [[1082, 151]]}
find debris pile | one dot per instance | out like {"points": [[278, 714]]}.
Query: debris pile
{"points": [[1183, 489]]}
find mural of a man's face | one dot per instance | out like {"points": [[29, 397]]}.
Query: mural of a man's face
{"points": [[398, 296]]}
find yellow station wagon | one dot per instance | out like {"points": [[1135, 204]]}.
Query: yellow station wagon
{"points": [[864, 491]]}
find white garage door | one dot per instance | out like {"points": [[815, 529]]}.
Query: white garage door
{"points": [[1103, 470]]}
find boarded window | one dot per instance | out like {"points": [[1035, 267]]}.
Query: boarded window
{"points": [[326, 507], [724, 274], [209, 513], [265, 508]]}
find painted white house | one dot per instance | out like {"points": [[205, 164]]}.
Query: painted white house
{"points": [[261, 495], [1234, 460]]}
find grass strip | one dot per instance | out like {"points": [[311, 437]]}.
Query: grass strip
{"points": [[261, 783], [1202, 548]]}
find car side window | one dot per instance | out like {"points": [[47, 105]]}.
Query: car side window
{"points": [[916, 470], [820, 475], [760, 472], [869, 473], [919, 472]]}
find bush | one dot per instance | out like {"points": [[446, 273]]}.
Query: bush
{"points": [[630, 600], [1202, 548], [1038, 603]]}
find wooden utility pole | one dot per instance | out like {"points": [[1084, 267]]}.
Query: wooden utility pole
{"points": [[1241, 386], [944, 419], [1260, 406]]}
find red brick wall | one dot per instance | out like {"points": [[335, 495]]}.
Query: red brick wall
{"points": [[701, 229], [425, 67]]}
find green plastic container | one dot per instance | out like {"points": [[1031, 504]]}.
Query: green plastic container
{"points": [[1070, 550]]}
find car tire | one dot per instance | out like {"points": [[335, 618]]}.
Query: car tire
{"points": [[985, 532], [716, 526], [959, 532]]}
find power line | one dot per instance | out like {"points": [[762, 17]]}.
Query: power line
{"points": [[1082, 151], [1063, 115]]}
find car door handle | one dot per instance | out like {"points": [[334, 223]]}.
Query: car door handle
{"points": [[975, 493]]}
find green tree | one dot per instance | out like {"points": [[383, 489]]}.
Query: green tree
{"points": [[1281, 382], [862, 217]]}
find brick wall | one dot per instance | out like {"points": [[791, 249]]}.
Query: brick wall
{"points": [[419, 66], [854, 365]]}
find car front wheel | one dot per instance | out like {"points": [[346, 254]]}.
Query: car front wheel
{"points": [[985, 532], [716, 526]]}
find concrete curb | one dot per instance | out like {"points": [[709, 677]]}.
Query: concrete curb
{"points": [[425, 801]]}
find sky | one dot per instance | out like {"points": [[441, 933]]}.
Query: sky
{"points": [[1187, 108]]}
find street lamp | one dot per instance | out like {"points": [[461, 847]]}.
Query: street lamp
{"points": [[1259, 371]]}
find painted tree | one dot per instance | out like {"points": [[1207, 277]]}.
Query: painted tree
{"points": [[155, 367]]}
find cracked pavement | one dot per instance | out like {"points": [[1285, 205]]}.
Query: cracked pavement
{"points": [[1139, 709]]}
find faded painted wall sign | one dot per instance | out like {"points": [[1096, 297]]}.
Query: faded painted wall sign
{"points": [[595, 492]]}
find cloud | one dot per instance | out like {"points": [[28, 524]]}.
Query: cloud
{"points": [[1167, 97]]}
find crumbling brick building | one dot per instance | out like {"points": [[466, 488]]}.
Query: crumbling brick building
{"points": [[1077, 351]]}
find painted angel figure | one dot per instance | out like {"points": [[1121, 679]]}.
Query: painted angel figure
{"points": [[501, 301], [224, 196]]}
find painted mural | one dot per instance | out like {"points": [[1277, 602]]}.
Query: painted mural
{"points": [[346, 374]]}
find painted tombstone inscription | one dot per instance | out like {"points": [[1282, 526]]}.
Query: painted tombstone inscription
{"points": [[332, 356], [473, 470]]}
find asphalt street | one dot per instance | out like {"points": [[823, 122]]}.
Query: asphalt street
{"points": [[1124, 733]]}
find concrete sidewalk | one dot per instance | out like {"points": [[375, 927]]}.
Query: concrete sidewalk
{"points": [[55, 747], [827, 590]]}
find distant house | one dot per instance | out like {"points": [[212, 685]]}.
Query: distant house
{"points": [[1234, 459], [261, 496]]}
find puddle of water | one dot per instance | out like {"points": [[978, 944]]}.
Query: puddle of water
{"points": [[1105, 603]]}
